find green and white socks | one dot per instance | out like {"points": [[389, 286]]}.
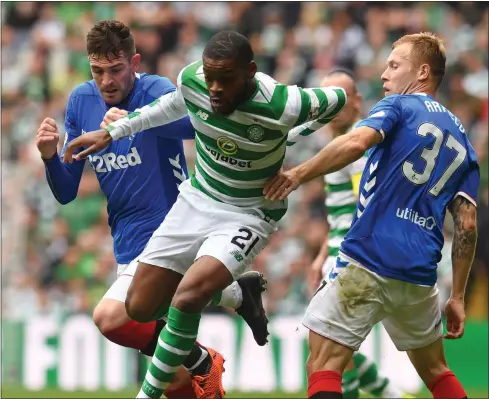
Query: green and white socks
{"points": [[365, 376], [174, 345]]}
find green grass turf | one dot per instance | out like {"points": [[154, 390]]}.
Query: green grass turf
{"points": [[14, 392]]}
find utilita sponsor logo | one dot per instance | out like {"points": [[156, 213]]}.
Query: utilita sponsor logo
{"points": [[414, 217]]}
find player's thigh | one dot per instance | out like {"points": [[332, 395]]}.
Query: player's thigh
{"points": [[150, 293], [347, 305], [238, 242], [415, 320], [175, 243]]}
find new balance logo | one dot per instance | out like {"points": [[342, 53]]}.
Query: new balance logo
{"points": [[110, 161], [237, 255], [202, 115]]}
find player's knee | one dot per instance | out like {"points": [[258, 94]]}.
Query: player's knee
{"points": [[109, 315], [137, 308], [188, 300], [430, 372]]}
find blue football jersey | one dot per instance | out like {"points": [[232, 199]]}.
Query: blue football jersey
{"points": [[424, 161], [139, 175]]}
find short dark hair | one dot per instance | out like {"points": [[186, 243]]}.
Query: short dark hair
{"points": [[109, 38], [341, 70], [229, 44]]}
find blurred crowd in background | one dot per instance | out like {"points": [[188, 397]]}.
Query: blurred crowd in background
{"points": [[59, 258]]}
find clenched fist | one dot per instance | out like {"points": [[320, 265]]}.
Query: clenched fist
{"points": [[47, 138], [112, 115]]}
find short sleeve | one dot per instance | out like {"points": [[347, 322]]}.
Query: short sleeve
{"points": [[384, 116], [469, 187]]}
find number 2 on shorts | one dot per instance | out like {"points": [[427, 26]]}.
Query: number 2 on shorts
{"points": [[242, 240]]}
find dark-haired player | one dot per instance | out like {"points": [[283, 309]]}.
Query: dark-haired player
{"points": [[420, 164], [140, 176], [221, 220]]}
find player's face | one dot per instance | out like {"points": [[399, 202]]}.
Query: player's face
{"points": [[401, 74], [228, 83], [115, 76], [350, 112]]}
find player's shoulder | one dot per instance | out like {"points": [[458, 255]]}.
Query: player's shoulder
{"points": [[85, 89], [191, 72], [155, 86]]}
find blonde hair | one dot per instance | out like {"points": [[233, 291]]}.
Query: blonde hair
{"points": [[427, 48]]}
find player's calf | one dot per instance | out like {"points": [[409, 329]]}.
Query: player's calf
{"points": [[431, 365], [325, 365]]}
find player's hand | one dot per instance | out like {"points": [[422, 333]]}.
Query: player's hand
{"points": [[47, 138], [95, 141], [315, 274], [455, 314], [112, 115], [281, 185]]}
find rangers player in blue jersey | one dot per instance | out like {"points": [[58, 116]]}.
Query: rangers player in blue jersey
{"points": [[140, 176], [420, 164]]}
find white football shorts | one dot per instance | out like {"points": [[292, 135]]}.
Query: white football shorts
{"points": [[198, 225], [353, 299]]}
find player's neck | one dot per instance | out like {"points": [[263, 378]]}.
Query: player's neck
{"points": [[251, 89], [421, 89]]}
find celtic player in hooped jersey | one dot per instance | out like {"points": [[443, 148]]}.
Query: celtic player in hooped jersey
{"points": [[221, 220]]}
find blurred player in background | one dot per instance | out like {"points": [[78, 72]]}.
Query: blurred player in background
{"points": [[140, 176], [420, 164], [221, 221], [342, 190]]}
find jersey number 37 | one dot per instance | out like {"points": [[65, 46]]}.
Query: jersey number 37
{"points": [[430, 155]]}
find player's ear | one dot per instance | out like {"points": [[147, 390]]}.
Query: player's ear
{"points": [[252, 68], [135, 62], [423, 72]]}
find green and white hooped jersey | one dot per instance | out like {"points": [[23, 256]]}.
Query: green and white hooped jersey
{"points": [[238, 153], [341, 202]]}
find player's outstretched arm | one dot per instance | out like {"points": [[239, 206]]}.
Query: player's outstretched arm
{"points": [[63, 179], [166, 109], [339, 153], [464, 214], [316, 108]]}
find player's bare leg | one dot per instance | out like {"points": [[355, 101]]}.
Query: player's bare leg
{"points": [[206, 277], [325, 365], [431, 365]]}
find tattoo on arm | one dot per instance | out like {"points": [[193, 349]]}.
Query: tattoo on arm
{"points": [[465, 234]]}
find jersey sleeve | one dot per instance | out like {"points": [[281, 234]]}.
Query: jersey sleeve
{"points": [[311, 109], [384, 116], [64, 178], [469, 186], [164, 110], [182, 128]]}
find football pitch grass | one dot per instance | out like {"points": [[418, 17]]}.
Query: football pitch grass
{"points": [[15, 392]]}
